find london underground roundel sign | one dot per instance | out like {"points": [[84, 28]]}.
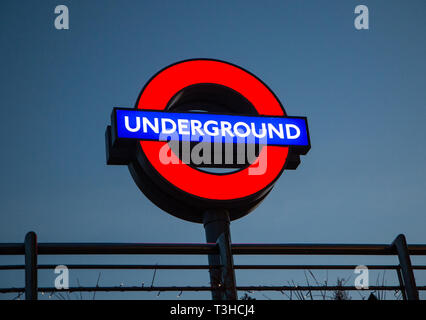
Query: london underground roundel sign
{"points": [[206, 134]]}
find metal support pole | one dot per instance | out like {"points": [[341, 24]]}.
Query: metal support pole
{"points": [[400, 244], [227, 261], [216, 224], [30, 266]]}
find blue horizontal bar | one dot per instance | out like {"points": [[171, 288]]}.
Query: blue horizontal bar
{"points": [[208, 127]]}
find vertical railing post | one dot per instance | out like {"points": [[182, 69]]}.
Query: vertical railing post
{"points": [[400, 245], [30, 266]]}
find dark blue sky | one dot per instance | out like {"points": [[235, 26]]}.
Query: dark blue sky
{"points": [[363, 92]]}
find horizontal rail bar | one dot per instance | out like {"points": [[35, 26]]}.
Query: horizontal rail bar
{"points": [[130, 267], [319, 288], [209, 248], [115, 266], [140, 248], [419, 267], [112, 248], [206, 267], [12, 267], [417, 249], [11, 248], [313, 267], [111, 289], [313, 249], [206, 288], [241, 267]]}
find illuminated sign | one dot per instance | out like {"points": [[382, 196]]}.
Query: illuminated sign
{"points": [[203, 102]]}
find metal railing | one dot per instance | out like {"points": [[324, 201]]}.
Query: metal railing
{"points": [[227, 287]]}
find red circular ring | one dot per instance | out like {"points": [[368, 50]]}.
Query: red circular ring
{"points": [[164, 85]]}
